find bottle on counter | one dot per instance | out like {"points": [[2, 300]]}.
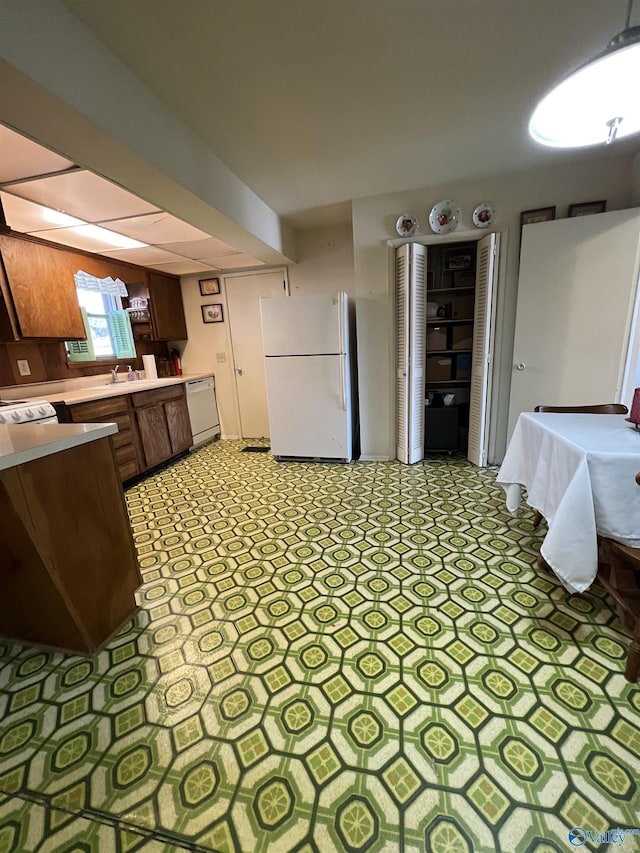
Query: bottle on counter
{"points": [[177, 364], [131, 374]]}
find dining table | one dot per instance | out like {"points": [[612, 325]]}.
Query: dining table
{"points": [[578, 471]]}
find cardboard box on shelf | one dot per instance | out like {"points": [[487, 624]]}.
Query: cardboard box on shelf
{"points": [[461, 337], [463, 307], [439, 368], [464, 278], [436, 338]]}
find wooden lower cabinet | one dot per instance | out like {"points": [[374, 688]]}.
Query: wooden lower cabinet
{"points": [[153, 426], [179, 425], [163, 423], [126, 442], [154, 434], [69, 567]]}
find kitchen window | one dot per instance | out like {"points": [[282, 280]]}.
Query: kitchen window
{"points": [[108, 328]]}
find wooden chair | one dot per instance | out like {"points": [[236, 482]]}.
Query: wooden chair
{"points": [[619, 574], [599, 409]]}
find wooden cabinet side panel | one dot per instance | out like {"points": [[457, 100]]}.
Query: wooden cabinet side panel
{"points": [[154, 435], [167, 309], [9, 330], [33, 605], [43, 290], [179, 425], [86, 529]]}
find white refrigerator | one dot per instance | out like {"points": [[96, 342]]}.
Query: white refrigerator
{"points": [[310, 376]]}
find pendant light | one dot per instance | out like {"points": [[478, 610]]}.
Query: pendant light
{"points": [[599, 102]]}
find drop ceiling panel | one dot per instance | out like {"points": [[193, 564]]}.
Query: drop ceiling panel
{"points": [[146, 256], [80, 237], [84, 195], [230, 262], [212, 247], [26, 216], [21, 158], [183, 267], [156, 228]]}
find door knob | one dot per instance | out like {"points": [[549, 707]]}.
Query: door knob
{"points": [[520, 365], [239, 371]]}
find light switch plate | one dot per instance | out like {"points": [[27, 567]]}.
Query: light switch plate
{"points": [[23, 367], [221, 357]]}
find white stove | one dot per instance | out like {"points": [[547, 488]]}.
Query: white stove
{"points": [[14, 412]]}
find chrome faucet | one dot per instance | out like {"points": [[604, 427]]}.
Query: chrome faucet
{"points": [[114, 374]]}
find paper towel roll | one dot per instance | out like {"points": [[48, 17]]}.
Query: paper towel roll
{"points": [[149, 364]]}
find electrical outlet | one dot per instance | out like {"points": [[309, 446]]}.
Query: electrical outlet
{"points": [[221, 357], [23, 367]]}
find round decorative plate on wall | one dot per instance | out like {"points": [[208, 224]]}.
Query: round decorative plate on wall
{"points": [[484, 214], [444, 216], [406, 225]]}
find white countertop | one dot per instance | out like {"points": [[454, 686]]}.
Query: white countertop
{"points": [[99, 391], [26, 442]]}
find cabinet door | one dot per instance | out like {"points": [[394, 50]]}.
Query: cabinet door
{"points": [[154, 435], [411, 321], [179, 425], [42, 290], [167, 310]]}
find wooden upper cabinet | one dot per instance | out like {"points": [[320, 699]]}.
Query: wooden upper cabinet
{"points": [[167, 311], [39, 292]]}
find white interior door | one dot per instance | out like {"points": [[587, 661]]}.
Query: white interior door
{"points": [[411, 324], [243, 304], [483, 336], [576, 292]]}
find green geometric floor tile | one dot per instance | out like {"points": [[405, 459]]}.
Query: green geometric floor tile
{"points": [[327, 657]]}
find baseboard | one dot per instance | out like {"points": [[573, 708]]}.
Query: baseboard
{"points": [[364, 458]]}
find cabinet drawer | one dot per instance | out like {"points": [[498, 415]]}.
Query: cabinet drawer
{"points": [[157, 395], [128, 469], [126, 453], [99, 410], [122, 437]]}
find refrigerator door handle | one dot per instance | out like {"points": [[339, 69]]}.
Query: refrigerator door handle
{"points": [[343, 382], [341, 326]]}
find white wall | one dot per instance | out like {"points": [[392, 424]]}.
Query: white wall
{"points": [[374, 221], [325, 265], [325, 261], [208, 342]]}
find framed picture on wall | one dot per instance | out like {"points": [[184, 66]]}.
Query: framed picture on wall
{"points": [[540, 214], [212, 313], [209, 286], [586, 208]]}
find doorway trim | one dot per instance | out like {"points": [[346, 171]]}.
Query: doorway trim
{"points": [[244, 274], [466, 236]]}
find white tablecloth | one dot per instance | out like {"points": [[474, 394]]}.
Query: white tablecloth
{"points": [[579, 472]]}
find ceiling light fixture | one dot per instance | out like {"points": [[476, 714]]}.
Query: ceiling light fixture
{"points": [[119, 241], [599, 102]]}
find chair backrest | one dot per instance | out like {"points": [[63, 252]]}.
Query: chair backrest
{"points": [[602, 409]]}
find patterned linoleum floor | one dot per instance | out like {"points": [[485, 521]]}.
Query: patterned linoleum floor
{"points": [[327, 658]]}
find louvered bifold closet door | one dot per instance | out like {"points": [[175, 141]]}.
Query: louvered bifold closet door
{"points": [[483, 333], [411, 299]]}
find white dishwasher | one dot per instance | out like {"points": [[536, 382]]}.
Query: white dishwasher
{"points": [[203, 409]]}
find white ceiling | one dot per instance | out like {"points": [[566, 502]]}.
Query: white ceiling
{"points": [[315, 103], [36, 184]]}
